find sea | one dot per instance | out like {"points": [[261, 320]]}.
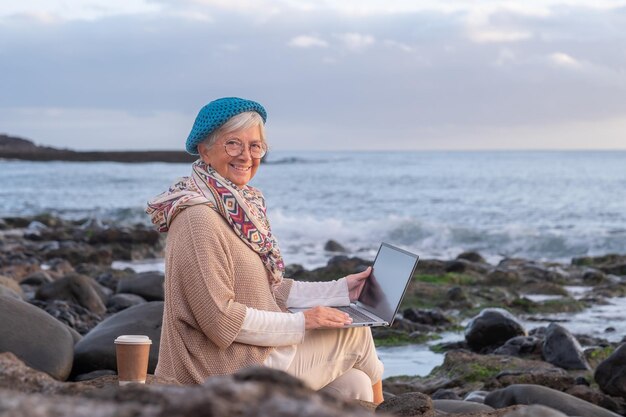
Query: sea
{"points": [[539, 205]]}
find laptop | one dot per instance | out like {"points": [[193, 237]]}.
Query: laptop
{"points": [[383, 290]]}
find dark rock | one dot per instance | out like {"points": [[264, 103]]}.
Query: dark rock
{"points": [[610, 264], [584, 392], [594, 277], [611, 373], [73, 315], [492, 328], [456, 294], [503, 277], [74, 288], [409, 404], [560, 348], [36, 338], [472, 257], [460, 407], [148, 285], [334, 246], [429, 317], [37, 279], [520, 345], [535, 394], [445, 394], [581, 380], [119, 302], [96, 350]]}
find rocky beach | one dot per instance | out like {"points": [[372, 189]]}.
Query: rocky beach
{"points": [[62, 304]]}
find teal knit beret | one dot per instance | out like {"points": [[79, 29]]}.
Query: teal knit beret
{"points": [[215, 114]]}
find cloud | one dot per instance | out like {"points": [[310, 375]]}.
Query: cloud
{"points": [[564, 60], [355, 41], [306, 41]]}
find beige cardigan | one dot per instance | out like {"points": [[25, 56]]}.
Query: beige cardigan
{"points": [[211, 276]]}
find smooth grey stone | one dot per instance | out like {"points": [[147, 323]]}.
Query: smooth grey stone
{"points": [[476, 396], [562, 349], [611, 373], [536, 394], [96, 349], [460, 407], [35, 337], [148, 285], [122, 301]]}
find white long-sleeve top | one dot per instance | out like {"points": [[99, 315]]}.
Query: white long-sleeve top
{"points": [[285, 330]]}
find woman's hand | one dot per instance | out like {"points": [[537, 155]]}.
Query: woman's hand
{"points": [[325, 317], [356, 283]]}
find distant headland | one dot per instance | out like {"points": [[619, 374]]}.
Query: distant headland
{"points": [[12, 147]]}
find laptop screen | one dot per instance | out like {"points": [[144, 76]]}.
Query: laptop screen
{"points": [[384, 289]]}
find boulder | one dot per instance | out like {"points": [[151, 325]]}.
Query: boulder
{"points": [[535, 394], [460, 407], [96, 350], [472, 257], [611, 373], [520, 345], [11, 284], [122, 301], [148, 285], [428, 317], [491, 329], [409, 404], [562, 349], [74, 288], [37, 278], [334, 246], [35, 337], [597, 397]]}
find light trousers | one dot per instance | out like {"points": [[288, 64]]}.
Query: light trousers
{"points": [[339, 360]]}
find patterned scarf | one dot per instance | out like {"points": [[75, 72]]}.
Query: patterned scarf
{"points": [[242, 207]]}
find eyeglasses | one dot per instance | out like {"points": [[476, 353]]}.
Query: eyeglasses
{"points": [[234, 147]]}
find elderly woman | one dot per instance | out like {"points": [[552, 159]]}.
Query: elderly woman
{"points": [[225, 296]]}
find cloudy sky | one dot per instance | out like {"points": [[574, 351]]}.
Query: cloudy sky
{"points": [[342, 74]]}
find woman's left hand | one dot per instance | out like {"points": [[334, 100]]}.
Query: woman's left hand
{"points": [[356, 283]]}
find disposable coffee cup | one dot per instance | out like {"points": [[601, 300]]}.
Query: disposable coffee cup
{"points": [[132, 352]]}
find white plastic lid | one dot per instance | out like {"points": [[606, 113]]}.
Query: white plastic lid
{"points": [[133, 339]]}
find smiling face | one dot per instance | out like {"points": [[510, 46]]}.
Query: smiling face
{"points": [[238, 169]]}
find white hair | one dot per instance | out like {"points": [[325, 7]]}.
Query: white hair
{"points": [[236, 123]]}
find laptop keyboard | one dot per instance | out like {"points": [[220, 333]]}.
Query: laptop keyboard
{"points": [[357, 316]]}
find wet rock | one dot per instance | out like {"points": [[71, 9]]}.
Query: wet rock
{"points": [[593, 277], [535, 394], [409, 404], [472, 257], [520, 345], [463, 372], [560, 348], [492, 328], [119, 302], [334, 246], [610, 264], [96, 350], [36, 338], [148, 285], [428, 317], [611, 373], [77, 289]]}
